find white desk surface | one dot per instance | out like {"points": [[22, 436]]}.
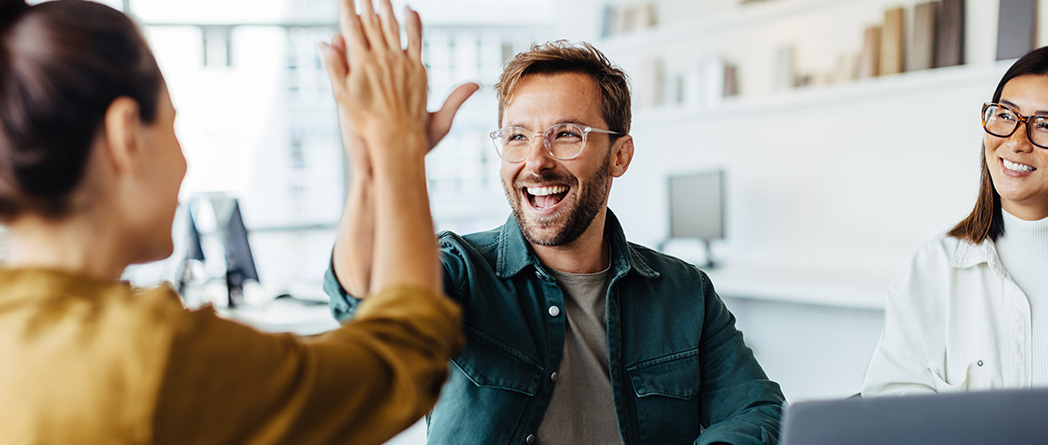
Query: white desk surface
{"points": [[844, 287], [284, 316], [307, 314]]}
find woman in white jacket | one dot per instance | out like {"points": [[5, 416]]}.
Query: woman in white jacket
{"points": [[970, 310]]}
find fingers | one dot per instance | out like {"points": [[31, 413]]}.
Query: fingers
{"points": [[414, 27], [334, 64], [440, 121], [372, 28], [339, 43], [390, 27], [351, 28]]}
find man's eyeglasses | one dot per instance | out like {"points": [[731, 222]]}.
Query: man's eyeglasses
{"points": [[1002, 121], [562, 141]]}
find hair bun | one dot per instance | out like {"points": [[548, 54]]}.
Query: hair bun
{"points": [[10, 10]]}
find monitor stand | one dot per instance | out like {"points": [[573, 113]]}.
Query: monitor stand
{"points": [[706, 251], [710, 262], [235, 287]]}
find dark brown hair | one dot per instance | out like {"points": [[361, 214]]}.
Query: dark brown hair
{"points": [[562, 56], [986, 220], [62, 64]]}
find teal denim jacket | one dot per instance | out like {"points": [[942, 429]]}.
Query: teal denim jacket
{"points": [[679, 369]]}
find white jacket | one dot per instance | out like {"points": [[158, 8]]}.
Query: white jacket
{"points": [[954, 320]]}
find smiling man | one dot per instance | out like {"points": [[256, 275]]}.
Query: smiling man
{"points": [[574, 335]]}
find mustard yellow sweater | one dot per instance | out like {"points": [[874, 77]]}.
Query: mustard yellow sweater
{"points": [[98, 362]]}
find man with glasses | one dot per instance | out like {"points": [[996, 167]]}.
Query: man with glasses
{"points": [[574, 335]]}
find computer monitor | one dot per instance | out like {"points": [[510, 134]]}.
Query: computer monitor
{"points": [[214, 243], [240, 264], [193, 250], [696, 207]]}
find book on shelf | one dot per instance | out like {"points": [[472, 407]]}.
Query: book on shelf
{"points": [[893, 41], [949, 43], [646, 17], [1042, 26], [845, 69], [785, 68], [674, 91], [631, 18], [650, 85], [1016, 28], [708, 81], [731, 80], [870, 58], [607, 25], [921, 55], [618, 21]]}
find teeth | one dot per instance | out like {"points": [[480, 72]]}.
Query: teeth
{"points": [[544, 191], [1016, 167]]}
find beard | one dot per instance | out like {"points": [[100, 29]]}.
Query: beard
{"points": [[570, 223]]}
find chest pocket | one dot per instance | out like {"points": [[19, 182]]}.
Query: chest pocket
{"points": [[668, 409], [675, 376], [490, 363]]}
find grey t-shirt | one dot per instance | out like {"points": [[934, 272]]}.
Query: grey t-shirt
{"points": [[582, 410]]}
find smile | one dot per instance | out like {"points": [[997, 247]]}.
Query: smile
{"points": [[1016, 167], [545, 197]]}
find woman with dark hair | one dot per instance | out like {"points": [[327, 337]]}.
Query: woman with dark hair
{"points": [[970, 310], [90, 170]]}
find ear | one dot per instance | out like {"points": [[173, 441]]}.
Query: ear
{"points": [[621, 156], [121, 126]]}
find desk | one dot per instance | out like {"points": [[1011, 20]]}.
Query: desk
{"points": [[306, 314], [811, 328], [855, 288], [284, 315]]}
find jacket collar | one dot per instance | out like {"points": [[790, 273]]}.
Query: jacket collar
{"points": [[515, 254], [969, 255]]}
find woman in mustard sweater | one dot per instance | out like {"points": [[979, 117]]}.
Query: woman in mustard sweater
{"points": [[90, 170]]}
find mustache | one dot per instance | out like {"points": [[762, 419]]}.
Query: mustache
{"points": [[545, 177]]}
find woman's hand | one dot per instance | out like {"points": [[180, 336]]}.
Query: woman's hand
{"points": [[380, 87]]}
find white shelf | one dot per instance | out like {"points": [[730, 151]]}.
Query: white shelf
{"points": [[899, 86], [743, 16]]}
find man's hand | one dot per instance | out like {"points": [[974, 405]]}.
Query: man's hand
{"points": [[407, 63]]}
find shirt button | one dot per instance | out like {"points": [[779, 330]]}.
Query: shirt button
{"points": [[554, 311], [530, 438], [553, 377], [980, 363]]}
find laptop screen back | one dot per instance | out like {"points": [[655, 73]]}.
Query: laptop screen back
{"points": [[988, 417]]}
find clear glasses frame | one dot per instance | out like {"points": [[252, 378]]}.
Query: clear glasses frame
{"points": [[501, 138], [1040, 122]]}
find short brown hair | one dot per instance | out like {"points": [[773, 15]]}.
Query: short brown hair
{"points": [[986, 220], [561, 56], [62, 64]]}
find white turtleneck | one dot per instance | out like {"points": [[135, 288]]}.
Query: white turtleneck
{"points": [[1023, 250]]}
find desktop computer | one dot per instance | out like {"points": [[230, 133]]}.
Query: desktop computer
{"points": [[215, 229]]}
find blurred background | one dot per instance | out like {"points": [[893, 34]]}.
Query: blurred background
{"points": [[842, 133]]}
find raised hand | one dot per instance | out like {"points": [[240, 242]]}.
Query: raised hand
{"points": [[380, 87], [335, 58]]}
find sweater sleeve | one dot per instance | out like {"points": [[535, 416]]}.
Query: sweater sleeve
{"points": [[361, 384]]}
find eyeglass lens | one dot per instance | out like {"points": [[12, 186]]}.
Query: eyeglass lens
{"points": [[563, 141], [1002, 122]]}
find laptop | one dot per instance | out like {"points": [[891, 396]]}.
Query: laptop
{"points": [[983, 417]]}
